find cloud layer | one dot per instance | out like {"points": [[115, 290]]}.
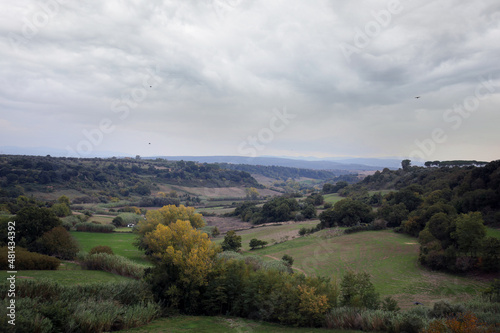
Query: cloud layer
{"points": [[208, 77]]}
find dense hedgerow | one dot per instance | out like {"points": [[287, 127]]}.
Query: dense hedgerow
{"points": [[111, 263], [25, 260], [46, 306], [93, 227]]}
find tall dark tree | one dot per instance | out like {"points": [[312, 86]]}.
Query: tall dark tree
{"points": [[405, 164], [33, 222]]}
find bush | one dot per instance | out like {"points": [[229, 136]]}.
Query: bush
{"points": [[443, 309], [26, 260], [101, 249], [92, 227], [287, 259], [118, 222], [390, 304]]}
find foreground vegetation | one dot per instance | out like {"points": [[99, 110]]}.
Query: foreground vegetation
{"points": [[46, 306]]}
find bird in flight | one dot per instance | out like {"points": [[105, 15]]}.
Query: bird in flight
{"points": [[417, 97]]}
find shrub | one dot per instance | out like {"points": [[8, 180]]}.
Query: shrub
{"points": [[92, 227], [101, 249], [288, 259], [443, 309], [46, 306], [390, 304], [26, 260], [118, 221], [111, 263]]}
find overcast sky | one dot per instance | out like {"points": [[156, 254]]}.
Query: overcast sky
{"points": [[240, 77]]}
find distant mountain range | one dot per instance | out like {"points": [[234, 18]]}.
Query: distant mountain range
{"points": [[320, 164]]}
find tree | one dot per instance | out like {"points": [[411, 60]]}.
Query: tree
{"points": [[61, 209], [118, 221], [358, 291], [405, 164], [252, 193], [183, 259], [33, 222], [470, 231], [309, 211], [165, 216], [64, 200], [231, 242], [346, 213], [57, 242], [393, 214], [254, 243]]}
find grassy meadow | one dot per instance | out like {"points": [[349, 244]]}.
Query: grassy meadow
{"points": [[121, 243], [68, 276], [390, 258]]}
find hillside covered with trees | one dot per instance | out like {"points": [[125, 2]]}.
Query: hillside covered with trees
{"points": [[446, 207], [107, 180]]}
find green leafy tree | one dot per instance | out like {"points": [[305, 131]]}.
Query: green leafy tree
{"points": [[61, 209], [358, 291], [470, 231], [346, 213], [33, 222], [231, 242], [118, 221], [64, 200], [254, 243], [57, 242]]}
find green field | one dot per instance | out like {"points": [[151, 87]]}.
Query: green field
{"points": [[390, 258], [193, 324], [68, 277], [121, 243], [493, 232]]}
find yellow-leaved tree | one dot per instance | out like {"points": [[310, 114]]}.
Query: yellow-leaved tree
{"points": [[165, 216], [184, 257]]}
